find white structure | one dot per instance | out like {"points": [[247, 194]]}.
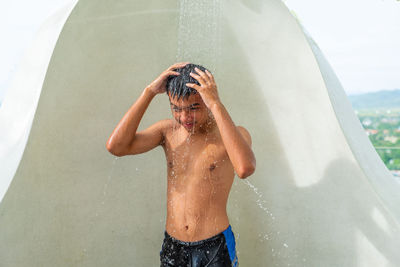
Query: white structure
{"points": [[320, 196]]}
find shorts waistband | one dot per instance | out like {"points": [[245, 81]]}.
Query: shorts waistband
{"points": [[195, 243]]}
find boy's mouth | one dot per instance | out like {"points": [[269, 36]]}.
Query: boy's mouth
{"points": [[188, 125]]}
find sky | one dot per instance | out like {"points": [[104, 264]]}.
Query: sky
{"points": [[360, 38], [19, 22]]}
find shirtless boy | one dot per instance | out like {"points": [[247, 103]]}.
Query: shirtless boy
{"points": [[204, 149]]}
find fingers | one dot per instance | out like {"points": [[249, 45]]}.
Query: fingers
{"points": [[178, 65], [198, 78], [171, 72], [205, 76], [210, 75], [167, 73], [194, 86]]}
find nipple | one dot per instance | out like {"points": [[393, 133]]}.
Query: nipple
{"points": [[212, 167]]}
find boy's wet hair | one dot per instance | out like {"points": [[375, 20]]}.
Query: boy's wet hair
{"points": [[176, 84]]}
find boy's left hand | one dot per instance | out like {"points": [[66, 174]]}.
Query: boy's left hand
{"points": [[207, 88]]}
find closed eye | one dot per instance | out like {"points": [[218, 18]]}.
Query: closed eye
{"points": [[178, 110]]}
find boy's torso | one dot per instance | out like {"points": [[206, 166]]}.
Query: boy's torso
{"points": [[200, 176]]}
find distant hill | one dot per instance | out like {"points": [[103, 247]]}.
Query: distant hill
{"points": [[380, 99]]}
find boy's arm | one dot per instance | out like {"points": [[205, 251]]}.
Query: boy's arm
{"points": [[124, 140], [125, 133], [237, 140]]}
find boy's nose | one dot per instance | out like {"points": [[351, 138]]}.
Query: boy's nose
{"points": [[186, 116]]}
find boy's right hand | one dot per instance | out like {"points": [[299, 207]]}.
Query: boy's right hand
{"points": [[158, 86]]}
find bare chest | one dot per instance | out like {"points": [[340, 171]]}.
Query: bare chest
{"points": [[197, 159]]}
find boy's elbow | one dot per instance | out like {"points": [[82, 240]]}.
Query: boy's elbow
{"points": [[113, 151], [246, 171]]}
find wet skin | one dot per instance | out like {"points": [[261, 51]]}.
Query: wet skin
{"points": [[200, 174], [201, 159]]}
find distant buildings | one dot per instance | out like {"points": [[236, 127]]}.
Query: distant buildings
{"points": [[371, 131], [392, 139], [366, 122], [396, 173]]}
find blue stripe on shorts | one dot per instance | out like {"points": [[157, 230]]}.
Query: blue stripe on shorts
{"points": [[231, 244]]}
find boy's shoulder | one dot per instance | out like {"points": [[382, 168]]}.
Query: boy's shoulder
{"points": [[167, 125]]}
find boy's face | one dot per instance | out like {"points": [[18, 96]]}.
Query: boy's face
{"points": [[191, 113]]}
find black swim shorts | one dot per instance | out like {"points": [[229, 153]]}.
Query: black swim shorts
{"points": [[216, 251]]}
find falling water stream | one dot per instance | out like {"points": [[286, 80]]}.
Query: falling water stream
{"points": [[199, 33]]}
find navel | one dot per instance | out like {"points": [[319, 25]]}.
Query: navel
{"points": [[170, 164]]}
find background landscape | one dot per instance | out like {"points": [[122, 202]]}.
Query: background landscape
{"points": [[379, 114]]}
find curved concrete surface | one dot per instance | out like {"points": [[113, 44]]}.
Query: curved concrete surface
{"points": [[19, 106], [317, 198], [374, 169]]}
